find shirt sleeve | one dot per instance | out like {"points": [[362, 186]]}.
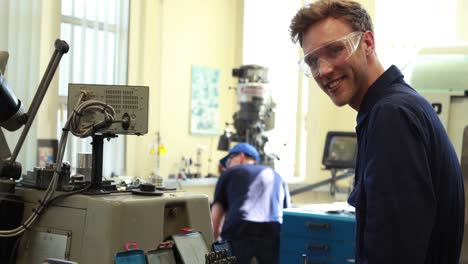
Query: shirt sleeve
{"points": [[220, 194], [400, 207]]}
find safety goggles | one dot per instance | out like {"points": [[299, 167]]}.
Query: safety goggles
{"points": [[333, 53]]}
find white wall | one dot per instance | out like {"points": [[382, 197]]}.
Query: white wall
{"points": [[166, 38], [46, 119]]}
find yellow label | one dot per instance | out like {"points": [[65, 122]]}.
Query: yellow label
{"points": [[162, 149]]}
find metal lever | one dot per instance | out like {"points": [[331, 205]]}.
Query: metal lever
{"points": [[61, 47]]}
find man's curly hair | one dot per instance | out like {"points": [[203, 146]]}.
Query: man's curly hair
{"points": [[350, 11]]}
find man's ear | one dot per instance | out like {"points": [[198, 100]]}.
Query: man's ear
{"points": [[369, 42]]}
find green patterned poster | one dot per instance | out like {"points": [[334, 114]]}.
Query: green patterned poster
{"points": [[204, 118]]}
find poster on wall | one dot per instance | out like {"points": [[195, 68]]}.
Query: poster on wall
{"points": [[205, 101]]}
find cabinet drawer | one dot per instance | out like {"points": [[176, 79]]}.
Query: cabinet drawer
{"points": [[329, 227], [317, 248]]}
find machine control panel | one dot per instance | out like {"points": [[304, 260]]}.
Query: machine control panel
{"points": [[129, 102]]}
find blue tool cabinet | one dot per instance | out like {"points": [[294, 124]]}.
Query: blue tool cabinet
{"points": [[325, 238]]}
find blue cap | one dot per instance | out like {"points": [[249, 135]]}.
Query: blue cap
{"points": [[243, 147]]}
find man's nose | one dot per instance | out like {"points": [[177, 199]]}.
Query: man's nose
{"points": [[324, 67]]}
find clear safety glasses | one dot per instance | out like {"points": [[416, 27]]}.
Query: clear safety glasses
{"points": [[333, 53]]}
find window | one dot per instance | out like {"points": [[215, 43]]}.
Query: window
{"points": [[267, 43], [418, 23], [97, 32]]}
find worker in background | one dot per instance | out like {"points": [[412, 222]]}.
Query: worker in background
{"points": [[408, 190], [251, 198]]}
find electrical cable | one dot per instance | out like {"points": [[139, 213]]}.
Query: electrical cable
{"points": [[58, 197], [82, 129], [13, 251], [79, 129]]}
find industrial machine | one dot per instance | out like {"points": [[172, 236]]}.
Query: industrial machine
{"points": [[12, 117], [440, 74], [256, 114], [49, 217], [93, 228]]}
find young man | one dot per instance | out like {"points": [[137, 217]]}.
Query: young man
{"points": [[251, 198], [408, 189]]}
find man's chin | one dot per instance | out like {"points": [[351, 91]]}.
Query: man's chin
{"points": [[339, 102]]}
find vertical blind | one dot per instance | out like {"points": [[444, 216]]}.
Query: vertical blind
{"points": [[97, 32], [20, 22]]}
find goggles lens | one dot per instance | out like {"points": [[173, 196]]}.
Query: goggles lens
{"points": [[333, 53]]}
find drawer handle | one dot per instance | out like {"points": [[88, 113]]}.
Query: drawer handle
{"points": [[318, 247], [318, 226], [305, 261]]}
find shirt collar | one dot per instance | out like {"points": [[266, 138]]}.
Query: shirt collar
{"points": [[376, 91]]}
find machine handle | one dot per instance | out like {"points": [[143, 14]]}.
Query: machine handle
{"points": [[305, 261], [131, 246], [318, 226], [61, 46], [318, 247]]}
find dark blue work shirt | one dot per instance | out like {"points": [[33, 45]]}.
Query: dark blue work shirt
{"points": [[253, 197], [408, 190]]}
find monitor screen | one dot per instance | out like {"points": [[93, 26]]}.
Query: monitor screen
{"points": [[191, 247], [340, 150]]}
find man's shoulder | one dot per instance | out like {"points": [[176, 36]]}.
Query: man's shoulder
{"points": [[248, 169], [252, 167], [402, 98]]}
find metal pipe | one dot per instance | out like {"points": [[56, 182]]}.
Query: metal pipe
{"points": [[61, 47]]}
